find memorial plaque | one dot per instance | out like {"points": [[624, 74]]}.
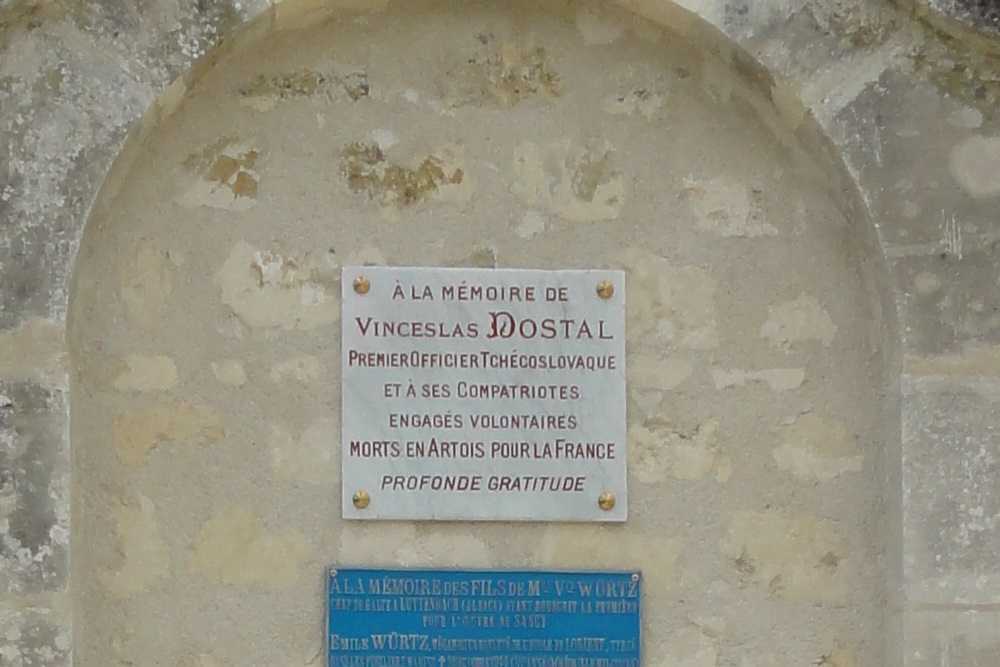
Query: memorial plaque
{"points": [[454, 618], [486, 394]]}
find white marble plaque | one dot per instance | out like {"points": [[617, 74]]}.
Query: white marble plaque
{"points": [[483, 394]]}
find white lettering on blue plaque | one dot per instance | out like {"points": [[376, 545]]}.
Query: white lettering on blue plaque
{"points": [[480, 618]]}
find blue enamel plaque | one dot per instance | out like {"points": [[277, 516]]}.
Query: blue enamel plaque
{"points": [[479, 618]]}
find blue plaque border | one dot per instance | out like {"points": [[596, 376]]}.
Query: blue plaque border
{"points": [[413, 617]]}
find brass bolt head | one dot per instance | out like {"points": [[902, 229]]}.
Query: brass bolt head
{"points": [[606, 501], [361, 499], [362, 285], [605, 289]]}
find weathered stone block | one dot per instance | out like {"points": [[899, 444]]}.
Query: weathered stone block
{"points": [[951, 462], [948, 304], [941, 638], [33, 638], [34, 533], [892, 136]]}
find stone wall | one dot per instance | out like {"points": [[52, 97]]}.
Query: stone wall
{"points": [[909, 113]]}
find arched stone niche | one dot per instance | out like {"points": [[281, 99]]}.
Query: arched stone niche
{"points": [[204, 328]]}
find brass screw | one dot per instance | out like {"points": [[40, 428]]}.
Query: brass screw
{"points": [[606, 501], [362, 285], [605, 289], [361, 499]]}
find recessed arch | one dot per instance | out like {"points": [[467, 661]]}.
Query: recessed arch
{"points": [[205, 385]]}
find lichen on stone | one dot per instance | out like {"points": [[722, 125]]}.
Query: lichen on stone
{"points": [[367, 170], [858, 24], [262, 92], [504, 75]]}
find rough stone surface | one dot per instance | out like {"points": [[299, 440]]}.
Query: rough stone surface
{"points": [[951, 462], [949, 304], [34, 541], [223, 499], [908, 111], [952, 637], [32, 637]]}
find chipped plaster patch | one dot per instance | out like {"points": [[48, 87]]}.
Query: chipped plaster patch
{"points": [[576, 183], [647, 372], [532, 224], [651, 376], [726, 207], [668, 303], [305, 369], [264, 92], [138, 431], [146, 373], [597, 30], [226, 176], [144, 555], [145, 284], [234, 548], [798, 320], [658, 450], [777, 379], [230, 372], [580, 546], [975, 164], [816, 449], [309, 458], [792, 557], [268, 289]]}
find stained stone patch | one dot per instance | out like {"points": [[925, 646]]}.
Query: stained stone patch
{"points": [[34, 537], [137, 431], [34, 638], [143, 553], [815, 448], [366, 169], [948, 303], [502, 73], [797, 556], [937, 638], [798, 320], [975, 164], [270, 288], [235, 547], [227, 176], [669, 303], [574, 182], [264, 92]]}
